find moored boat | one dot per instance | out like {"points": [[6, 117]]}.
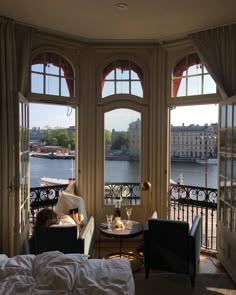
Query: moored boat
{"points": [[47, 181], [210, 161]]}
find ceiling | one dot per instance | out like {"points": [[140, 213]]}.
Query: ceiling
{"points": [[124, 20]]}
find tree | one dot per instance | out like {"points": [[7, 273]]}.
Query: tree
{"points": [[121, 139], [60, 138], [107, 136]]}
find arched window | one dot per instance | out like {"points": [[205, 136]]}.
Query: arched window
{"points": [[190, 77], [51, 74], [122, 77]]}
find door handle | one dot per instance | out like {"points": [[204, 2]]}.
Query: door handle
{"points": [[146, 185]]}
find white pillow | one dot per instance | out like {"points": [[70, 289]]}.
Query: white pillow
{"points": [[69, 201]]}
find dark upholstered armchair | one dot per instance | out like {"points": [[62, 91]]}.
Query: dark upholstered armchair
{"points": [[169, 245], [64, 239]]}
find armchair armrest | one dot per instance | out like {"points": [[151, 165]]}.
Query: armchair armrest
{"points": [[87, 235], [195, 246]]}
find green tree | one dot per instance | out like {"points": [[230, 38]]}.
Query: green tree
{"points": [[60, 138], [121, 139], [52, 141], [107, 137], [63, 138], [72, 141]]}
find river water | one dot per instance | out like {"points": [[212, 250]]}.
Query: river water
{"points": [[121, 171]]}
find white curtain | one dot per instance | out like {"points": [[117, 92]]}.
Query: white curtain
{"points": [[15, 49], [217, 50]]}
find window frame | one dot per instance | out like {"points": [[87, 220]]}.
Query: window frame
{"points": [[48, 98], [122, 96], [191, 99]]}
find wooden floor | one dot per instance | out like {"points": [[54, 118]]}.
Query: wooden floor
{"points": [[208, 263]]}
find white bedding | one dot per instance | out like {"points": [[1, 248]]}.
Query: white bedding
{"points": [[55, 273]]}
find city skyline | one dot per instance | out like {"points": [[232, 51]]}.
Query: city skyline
{"points": [[42, 115]]}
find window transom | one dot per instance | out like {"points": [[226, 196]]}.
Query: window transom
{"points": [[51, 74], [190, 77], [122, 77]]}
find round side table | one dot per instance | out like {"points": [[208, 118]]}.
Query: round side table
{"points": [[132, 229]]}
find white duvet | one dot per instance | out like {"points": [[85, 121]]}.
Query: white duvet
{"points": [[57, 273]]}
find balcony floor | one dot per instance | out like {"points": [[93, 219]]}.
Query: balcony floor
{"points": [[210, 264]]}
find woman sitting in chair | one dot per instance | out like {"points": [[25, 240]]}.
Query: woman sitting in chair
{"points": [[47, 217]]}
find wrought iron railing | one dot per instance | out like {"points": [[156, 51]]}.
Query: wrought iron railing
{"points": [[185, 202], [188, 201], [128, 192]]}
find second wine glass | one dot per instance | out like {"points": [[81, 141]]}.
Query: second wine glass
{"points": [[128, 212], [109, 220]]}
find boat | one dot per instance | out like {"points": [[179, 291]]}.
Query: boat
{"points": [[47, 181], [210, 161]]}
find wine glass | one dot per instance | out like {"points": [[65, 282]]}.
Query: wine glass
{"points": [[109, 220], [128, 212]]}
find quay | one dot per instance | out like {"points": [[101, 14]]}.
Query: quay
{"points": [[52, 156]]}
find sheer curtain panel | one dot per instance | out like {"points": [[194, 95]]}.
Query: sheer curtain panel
{"points": [[217, 50]]}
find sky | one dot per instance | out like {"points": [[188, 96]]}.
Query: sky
{"points": [[194, 115], [42, 115]]}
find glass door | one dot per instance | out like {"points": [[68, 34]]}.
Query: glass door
{"points": [[123, 141], [125, 161], [227, 184], [22, 208]]}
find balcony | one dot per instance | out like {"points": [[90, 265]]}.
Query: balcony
{"points": [[185, 202]]}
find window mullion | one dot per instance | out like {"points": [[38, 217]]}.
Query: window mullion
{"points": [[60, 76], [44, 74]]}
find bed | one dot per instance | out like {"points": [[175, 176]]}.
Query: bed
{"points": [[53, 273]]}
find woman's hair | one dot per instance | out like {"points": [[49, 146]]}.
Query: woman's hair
{"points": [[46, 217]]}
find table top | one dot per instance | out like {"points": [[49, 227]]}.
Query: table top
{"points": [[132, 229]]}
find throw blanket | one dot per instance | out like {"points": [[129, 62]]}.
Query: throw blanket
{"points": [[55, 273]]}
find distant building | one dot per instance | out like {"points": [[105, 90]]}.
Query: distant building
{"points": [[194, 141], [51, 149], [71, 130], [37, 135], [134, 138]]}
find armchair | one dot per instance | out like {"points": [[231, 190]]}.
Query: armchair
{"points": [[65, 239], [170, 246]]}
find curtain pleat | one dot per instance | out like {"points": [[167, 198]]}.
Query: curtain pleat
{"points": [[8, 103], [217, 50], [15, 49], [23, 37]]}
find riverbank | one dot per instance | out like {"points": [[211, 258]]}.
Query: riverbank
{"points": [[52, 156]]}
